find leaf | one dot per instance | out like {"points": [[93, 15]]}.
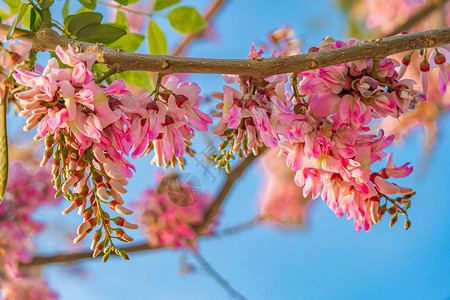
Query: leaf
{"points": [[138, 78], [35, 20], [45, 4], [161, 4], [65, 10], [130, 42], [103, 33], [156, 40], [186, 19], [121, 20], [3, 146], [82, 20], [122, 2], [13, 3], [89, 4], [11, 30]]}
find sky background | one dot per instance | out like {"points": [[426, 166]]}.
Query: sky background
{"points": [[325, 260]]}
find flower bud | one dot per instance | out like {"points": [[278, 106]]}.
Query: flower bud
{"points": [[393, 220], [96, 238], [98, 249], [407, 224], [439, 59]]}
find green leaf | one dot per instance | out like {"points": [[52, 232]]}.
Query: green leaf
{"points": [[13, 3], [103, 33], [65, 10], [138, 78], [161, 4], [35, 20], [121, 20], [82, 20], [89, 4], [122, 2], [156, 40], [130, 42], [186, 19], [11, 30], [44, 4]]}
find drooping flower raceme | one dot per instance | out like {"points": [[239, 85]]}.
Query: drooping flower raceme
{"points": [[169, 213], [90, 128], [26, 191], [323, 127]]}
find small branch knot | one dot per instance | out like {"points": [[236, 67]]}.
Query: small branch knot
{"points": [[164, 64], [430, 42], [312, 64]]}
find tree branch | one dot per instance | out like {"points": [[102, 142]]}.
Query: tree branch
{"points": [[137, 247], [209, 14], [47, 40], [419, 16], [228, 184], [215, 275]]}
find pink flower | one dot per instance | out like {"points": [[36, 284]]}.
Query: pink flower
{"points": [[170, 212], [440, 59]]}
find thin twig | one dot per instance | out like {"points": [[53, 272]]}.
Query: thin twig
{"points": [[229, 182], [419, 16], [137, 247], [208, 15], [47, 39], [215, 275]]}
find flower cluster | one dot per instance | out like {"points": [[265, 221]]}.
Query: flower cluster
{"points": [[383, 19], [26, 289], [257, 115], [89, 128], [169, 213], [26, 192], [323, 128]]}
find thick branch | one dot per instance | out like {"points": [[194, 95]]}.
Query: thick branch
{"points": [[47, 39]]}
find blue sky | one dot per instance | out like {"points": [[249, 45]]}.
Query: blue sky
{"points": [[325, 260]]}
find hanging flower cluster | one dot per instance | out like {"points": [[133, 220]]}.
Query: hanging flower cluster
{"points": [[26, 289], [383, 19], [169, 213], [89, 129], [26, 192], [323, 129]]}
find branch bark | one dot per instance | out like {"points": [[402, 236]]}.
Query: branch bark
{"points": [[47, 39]]}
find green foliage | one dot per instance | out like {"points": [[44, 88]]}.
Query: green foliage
{"points": [[35, 19], [130, 42], [186, 19], [13, 3], [156, 40], [139, 78], [162, 4], [121, 20], [89, 4], [103, 33], [77, 22], [65, 10], [11, 30], [45, 4]]}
